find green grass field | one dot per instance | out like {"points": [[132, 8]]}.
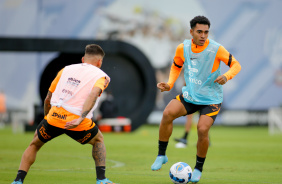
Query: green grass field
{"points": [[236, 155]]}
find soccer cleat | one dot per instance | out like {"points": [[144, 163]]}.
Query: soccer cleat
{"points": [[104, 181], [196, 176], [160, 160], [17, 182], [184, 141]]}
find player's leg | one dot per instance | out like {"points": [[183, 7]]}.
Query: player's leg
{"points": [[172, 111], [99, 149], [42, 135], [28, 158], [99, 156], [204, 124], [206, 120], [203, 127], [29, 155]]}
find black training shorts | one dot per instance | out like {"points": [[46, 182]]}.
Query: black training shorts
{"points": [[209, 110], [47, 132]]}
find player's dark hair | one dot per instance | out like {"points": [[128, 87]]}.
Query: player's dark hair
{"points": [[199, 20], [93, 49]]}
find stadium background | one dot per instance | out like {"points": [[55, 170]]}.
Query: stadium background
{"points": [[249, 29]]}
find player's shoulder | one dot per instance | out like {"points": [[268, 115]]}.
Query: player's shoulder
{"points": [[180, 46], [214, 43], [72, 66]]}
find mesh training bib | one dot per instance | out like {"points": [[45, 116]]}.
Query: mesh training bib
{"points": [[74, 87], [200, 88]]}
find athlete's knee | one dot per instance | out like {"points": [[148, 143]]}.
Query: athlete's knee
{"points": [[203, 131], [169, 114], [99, 138]]}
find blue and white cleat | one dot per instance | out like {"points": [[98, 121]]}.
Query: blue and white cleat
{"points": [[104, 181], [17, 182], [160, 160], [196, 176]]}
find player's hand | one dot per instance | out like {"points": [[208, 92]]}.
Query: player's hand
{"points": [[163, 86], [221, 80], [73, 124]]}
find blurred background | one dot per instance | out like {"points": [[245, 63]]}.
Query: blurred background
{"points": [[38, 38]]}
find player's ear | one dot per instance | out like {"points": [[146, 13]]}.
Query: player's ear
{"points": [[100, 61], [82, 59], [191, 32]]}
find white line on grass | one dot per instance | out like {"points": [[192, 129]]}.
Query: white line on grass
{"points": [[116, 164]]}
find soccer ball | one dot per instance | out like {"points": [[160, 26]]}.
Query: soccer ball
{"points": [[180, 172]]}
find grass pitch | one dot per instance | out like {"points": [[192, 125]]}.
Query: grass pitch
{"points": [[236, 155]]}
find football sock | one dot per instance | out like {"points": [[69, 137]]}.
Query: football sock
{"points": [[199, 163], [185, 135], [21, 175], [162, 147], [100, 172]]}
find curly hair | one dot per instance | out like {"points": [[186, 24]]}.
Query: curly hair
{"points": [[199, 20]]}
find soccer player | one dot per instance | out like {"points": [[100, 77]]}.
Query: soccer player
{"points": [[3, 109], [68, 109], [201, 58]]}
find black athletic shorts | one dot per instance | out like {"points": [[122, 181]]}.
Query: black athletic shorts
{"points": [[47, 132], [209, 110]]}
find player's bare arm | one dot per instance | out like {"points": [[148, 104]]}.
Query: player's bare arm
{"points": [[88, 105], [163, 86], [221, 80], [47, 104]]}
